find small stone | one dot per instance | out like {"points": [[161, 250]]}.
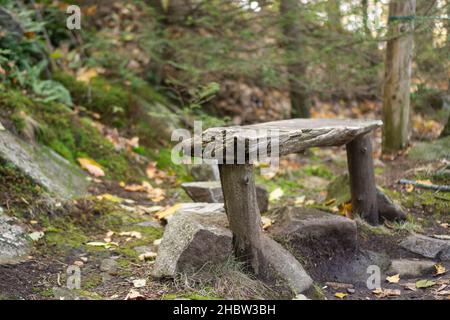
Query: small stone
{"points": [[14, 247], [211, 192], [427, 247], [411, 268], [109, 265], [351, 290], [193, 238], [301, 297]]}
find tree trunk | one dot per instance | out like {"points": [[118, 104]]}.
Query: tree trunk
{"points": [[334, 21], [365, 15], [397, 79], [446, 131], [290, 21]]}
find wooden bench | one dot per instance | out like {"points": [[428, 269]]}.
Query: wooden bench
{"points": [[293, 136]]}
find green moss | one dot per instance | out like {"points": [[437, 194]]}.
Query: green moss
{"points": [[69, 135], [17, 191], [318, 293], [101, 96], [429, 151], [318, 171], [91, 281]]}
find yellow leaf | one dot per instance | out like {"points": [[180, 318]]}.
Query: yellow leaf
{"points": [[91, 166], [168, 212], [266, 222], [276, 194], [340, 295], [393, 279], [409, 188], [86, 74], [346, 210], [382, 293], [440, 269], [110, 197]]}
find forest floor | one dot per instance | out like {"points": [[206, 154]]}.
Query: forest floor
{"points": [[111, 220]]}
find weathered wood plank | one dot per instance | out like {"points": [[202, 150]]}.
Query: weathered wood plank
{"points": [[362, 179], [279, 137]]}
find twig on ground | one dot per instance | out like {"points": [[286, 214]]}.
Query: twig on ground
{"points": [[426, 186]]}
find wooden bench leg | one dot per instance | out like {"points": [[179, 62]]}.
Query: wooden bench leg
{"points": [[239, 190], [362, 179]]}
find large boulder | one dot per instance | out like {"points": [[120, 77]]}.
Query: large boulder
{"points": [[44, 167], [427, 247], [211, 192], [192, 239], [205, 172], [318, 238], [198, 234], [14, 247]]}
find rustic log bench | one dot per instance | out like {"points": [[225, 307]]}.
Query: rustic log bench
{"points": [[292, 136]]}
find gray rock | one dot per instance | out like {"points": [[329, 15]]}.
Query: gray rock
{"points": [[211, 192], [411, 268], [109, 266], [323, 242], [205, 172], [44, 167], [14, 247], [192, 239], [315, 229], [427, 247], [286, 267], [144, 249]]}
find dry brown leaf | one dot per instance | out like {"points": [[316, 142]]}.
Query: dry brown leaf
{"points": [[440, 269], [147, 256], [134, 295], [168, 211], [393, 279], [86, 74], [383, 293], [266, 222], [91, 166]]}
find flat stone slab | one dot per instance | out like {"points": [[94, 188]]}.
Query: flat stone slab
{"points": [[44, 167], [211, 192], [294, 135], [286, 266], [14, 247], [198, 234], [427, 247], [411, 268]]}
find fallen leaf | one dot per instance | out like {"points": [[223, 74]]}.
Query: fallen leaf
{"points": [[444, 225], [266, 222], [276, 194], [110, 197], [78, 263], [157, 242], [443, 293], [383, 293], [440, 269], [139, 283], [409, 286], [422, 284], [86, 74], [299, 201], [393, 279], [339, 285], [133, 234], [409, 188], [346, 210], [2, 128], [105, 245], [134, 295], [164, 214], [340, 295], [37, 235], [91, 166]]}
